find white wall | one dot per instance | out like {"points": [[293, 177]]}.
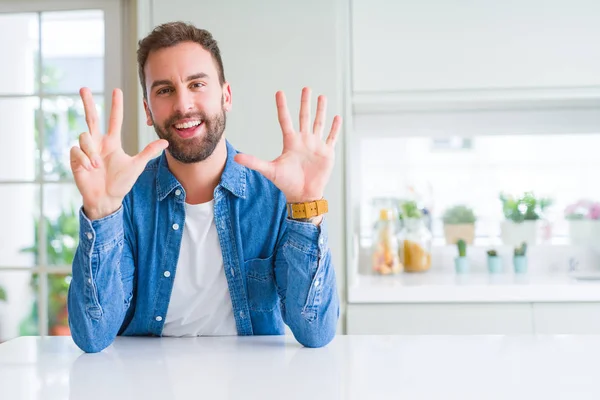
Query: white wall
{"points": [[268, 46]]}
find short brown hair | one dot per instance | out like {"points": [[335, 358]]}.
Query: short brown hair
{"points": [[171, 34]]}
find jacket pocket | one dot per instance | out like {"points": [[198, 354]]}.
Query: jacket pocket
{"points": [[262, 293]]}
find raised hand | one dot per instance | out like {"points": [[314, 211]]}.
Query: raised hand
{"points": [[303, 169], [103, 172]]}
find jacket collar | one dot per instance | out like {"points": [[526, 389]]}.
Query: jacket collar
{"points": [[233, 177]]}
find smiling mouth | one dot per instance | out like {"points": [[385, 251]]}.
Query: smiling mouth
{"points": [[187, 129]]}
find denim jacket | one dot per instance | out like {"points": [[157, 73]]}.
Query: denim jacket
{"points": [[278, 270]]}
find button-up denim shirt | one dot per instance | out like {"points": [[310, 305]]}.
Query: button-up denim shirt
{"points": [[278, 270]]}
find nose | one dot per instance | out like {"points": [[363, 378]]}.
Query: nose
{"points": [[183, 102]]}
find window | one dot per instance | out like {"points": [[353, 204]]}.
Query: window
{"points": [[53, 49]]}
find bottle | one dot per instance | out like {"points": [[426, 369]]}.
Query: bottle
{"points": [[416, 248], [386, 259]]}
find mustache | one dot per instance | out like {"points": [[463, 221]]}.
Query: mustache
{"points": [[178, 116]]}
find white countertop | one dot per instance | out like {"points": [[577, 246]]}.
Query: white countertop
{"points": [[277, 367], [432, 287]]}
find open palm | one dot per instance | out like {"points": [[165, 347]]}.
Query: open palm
{"points": [[304, 167], [103, 172]]}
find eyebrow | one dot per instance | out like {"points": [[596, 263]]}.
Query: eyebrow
{"points": [[199, 75]]}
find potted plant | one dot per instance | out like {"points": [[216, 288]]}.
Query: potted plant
{"points": [[520, 258], [461, 262], [459, 223], [494, 262], [584, 221], [521, 217]]}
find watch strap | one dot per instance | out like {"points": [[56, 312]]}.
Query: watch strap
{"points": [[307, 209]]}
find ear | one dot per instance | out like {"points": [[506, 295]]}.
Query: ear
{"points": [[148, 114], [227, 96]]}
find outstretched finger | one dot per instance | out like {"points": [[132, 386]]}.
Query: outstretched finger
{"points": [[115, 121], [91, 115], [335, 129], [285, 121], [150, 151], [321, 111], [305, 110], [256, 164]]}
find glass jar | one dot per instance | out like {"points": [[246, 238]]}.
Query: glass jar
{"points": [[385, 249], [416, 241]]}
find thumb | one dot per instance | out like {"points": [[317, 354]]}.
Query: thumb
{"points": [[150, 151], [256, 164]]}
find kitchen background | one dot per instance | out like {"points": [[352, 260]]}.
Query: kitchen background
{"points": [[466, 112]]}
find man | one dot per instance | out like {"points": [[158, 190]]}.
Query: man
{"points": [[201, 240]]}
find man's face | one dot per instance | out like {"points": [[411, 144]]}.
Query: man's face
{"points": [[185, 103]]}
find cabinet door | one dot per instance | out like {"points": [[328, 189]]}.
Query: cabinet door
{"points": [[438, 319], [566, 318], [463, 44]]}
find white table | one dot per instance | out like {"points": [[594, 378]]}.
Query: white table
{"points": [[276, 367]]}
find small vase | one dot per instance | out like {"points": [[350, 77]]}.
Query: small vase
{"points": [[494, 264], [461, 264], [520, 263]]}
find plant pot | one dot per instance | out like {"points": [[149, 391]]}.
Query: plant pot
{"points": [[515, 233], [520, 264], [584, 232], [461, 265], [494, 264], [454, 232]]}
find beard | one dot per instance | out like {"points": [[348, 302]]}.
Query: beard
{"points": [[196, 149]]}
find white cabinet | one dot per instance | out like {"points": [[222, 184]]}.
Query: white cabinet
{"points": [[566, 318], [439, 319], [474, 318], [476, 45]]}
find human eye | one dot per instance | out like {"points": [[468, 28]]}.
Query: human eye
{"points": [[164, 90]]}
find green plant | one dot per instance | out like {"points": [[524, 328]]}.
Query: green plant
{"points": [[459, 214], [524, 208], [2, 294], [521, 250], [492, 253], [409, 209], [462, 248]]}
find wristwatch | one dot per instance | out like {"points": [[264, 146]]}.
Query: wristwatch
{"points": [[307, 210]]}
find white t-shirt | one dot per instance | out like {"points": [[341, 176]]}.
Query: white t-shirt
{"points": [[200, 302]]}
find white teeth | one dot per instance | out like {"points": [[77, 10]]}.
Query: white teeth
{"points": [[187, 125]]}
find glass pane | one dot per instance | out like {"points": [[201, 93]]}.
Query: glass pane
{"points": [[64, 121], [561, 168], [61, 209], [19, 209], [58, 288], [19, 42], [18, 305], [17, 138], [73, 51]]}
